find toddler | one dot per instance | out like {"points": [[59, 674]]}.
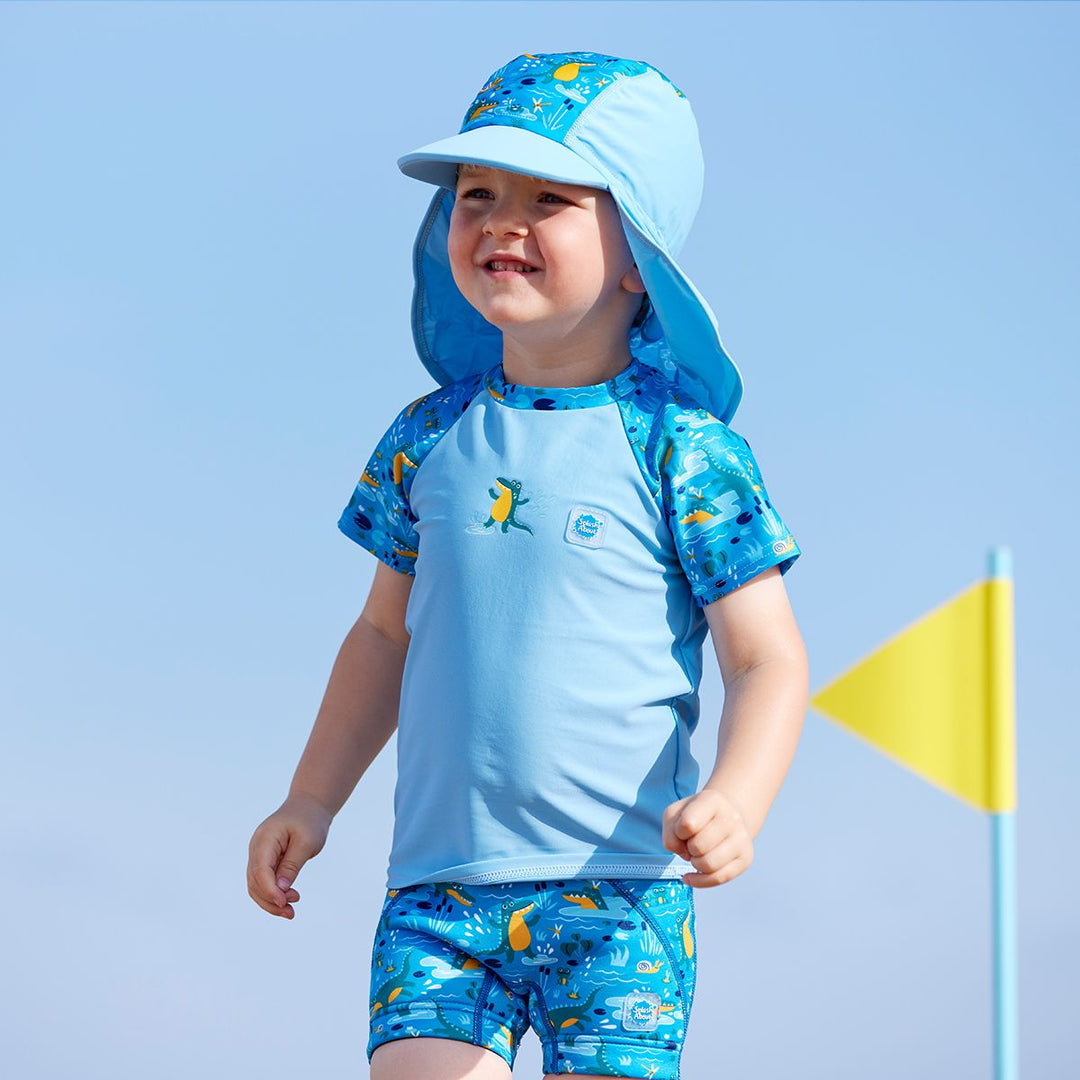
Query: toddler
{"points": [[558, 526]]}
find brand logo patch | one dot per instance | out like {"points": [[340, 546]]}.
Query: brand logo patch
{"points": [[640, 1011], [586, 526]]}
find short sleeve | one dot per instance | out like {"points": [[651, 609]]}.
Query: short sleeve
{"points": [[378, 516], [725, 528]]}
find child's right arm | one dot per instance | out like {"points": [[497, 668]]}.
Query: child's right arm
{"points": [[357, 716]]}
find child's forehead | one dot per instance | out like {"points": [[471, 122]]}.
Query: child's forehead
{"points": [[472, 170]]}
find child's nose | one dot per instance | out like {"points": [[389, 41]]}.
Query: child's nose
{"points": [[507, 229], [507, 216]]}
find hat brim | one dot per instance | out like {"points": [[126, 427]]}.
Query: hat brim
{"points": [[500, 147]]}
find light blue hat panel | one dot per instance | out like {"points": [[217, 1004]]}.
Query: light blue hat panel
{"points": [[660, 187]]}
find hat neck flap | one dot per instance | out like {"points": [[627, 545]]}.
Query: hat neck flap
{"points": [[453, 340]]}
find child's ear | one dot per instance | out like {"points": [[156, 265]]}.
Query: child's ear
{"points": [[631, 280]]}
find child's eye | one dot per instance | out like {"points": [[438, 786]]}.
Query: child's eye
{"points": [[476, 191]]}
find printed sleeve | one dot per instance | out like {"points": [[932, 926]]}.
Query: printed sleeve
{"points": [[378, 516], [725, 528]]}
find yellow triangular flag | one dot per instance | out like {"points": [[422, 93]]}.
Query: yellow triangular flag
{"points": [[939, 697]]}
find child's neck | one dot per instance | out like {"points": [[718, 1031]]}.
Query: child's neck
{"points": [[562, 370]]}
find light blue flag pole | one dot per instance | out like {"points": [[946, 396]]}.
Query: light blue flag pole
{"points": [[1002, 713]]}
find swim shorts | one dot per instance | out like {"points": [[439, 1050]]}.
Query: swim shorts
{"points": [[603, 969]]}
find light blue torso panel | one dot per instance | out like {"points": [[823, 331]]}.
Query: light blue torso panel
{"points": [[563, 543]]}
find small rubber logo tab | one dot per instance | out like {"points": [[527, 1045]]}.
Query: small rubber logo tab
{"points": [[586, 526], [640, 1011]]}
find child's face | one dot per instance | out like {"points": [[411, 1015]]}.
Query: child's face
{"points": [[585, 283]]}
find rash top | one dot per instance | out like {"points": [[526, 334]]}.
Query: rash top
{"points": [[563, 542]]}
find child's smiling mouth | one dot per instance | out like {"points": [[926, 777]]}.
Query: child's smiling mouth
{"points": [[509, 269]]}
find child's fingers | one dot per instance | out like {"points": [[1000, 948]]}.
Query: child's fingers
{"points": [[678, 846], [707, 876], [721, 862], [269, 897], [711, 836], [263, 890], [671, 840], [265, 865], [278, 850]]}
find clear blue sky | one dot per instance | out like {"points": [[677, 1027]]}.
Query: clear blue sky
{"points": [[205, 284]]}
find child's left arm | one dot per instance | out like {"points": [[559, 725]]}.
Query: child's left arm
{"points": [[764, 665]]}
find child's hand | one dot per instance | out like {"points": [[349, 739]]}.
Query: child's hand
{"points": [[291, 835], [708, 830]]}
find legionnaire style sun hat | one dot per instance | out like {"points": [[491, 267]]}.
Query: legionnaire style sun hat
{"points": [[600, 121]]}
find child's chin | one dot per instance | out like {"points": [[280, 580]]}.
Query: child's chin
{"points": [[507, 316]]}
